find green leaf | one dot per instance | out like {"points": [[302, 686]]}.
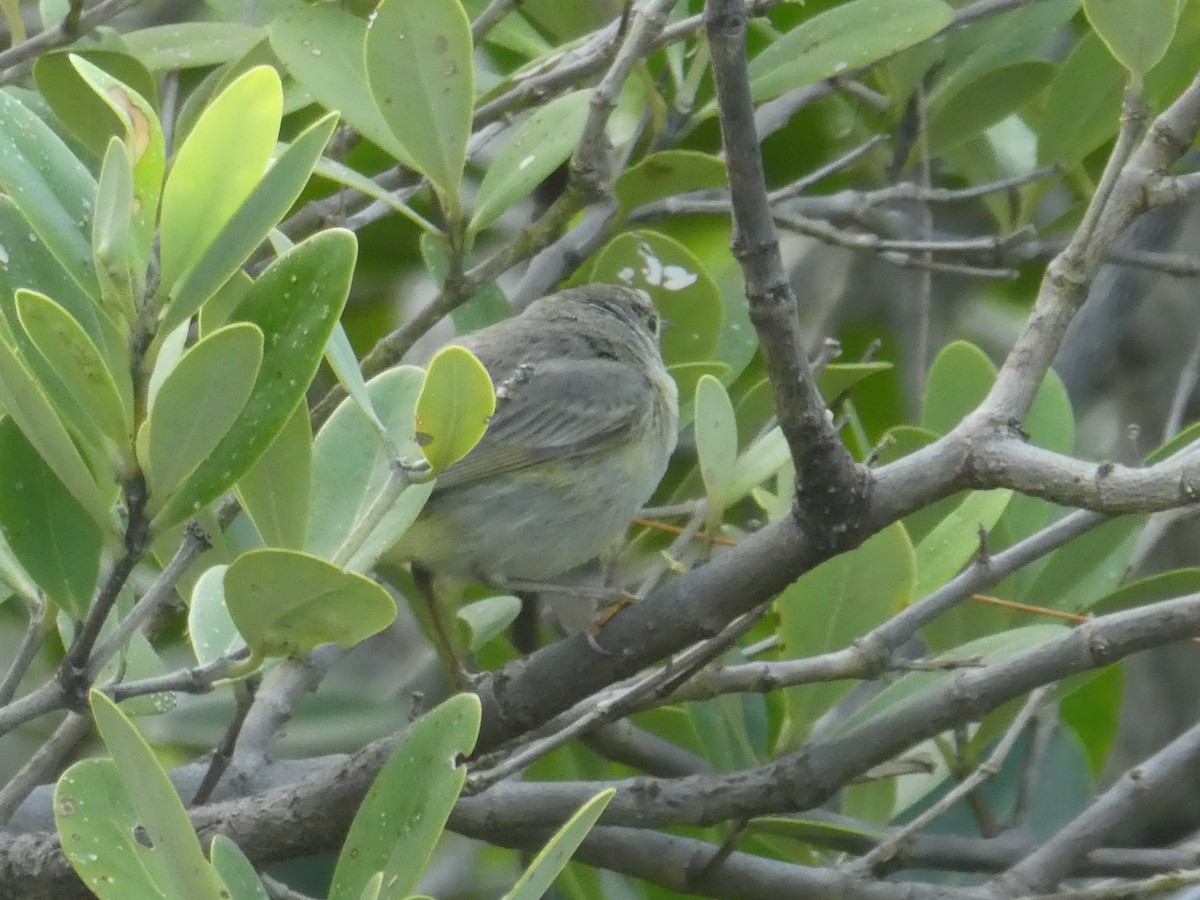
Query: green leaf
{"points": [[958, 381], [1093, 712], [211, 632], [1137, 32], [25, 401], [274, 492], [47, 529], [666, 174], [833, 605], [101, 833], [551, 859], [197, 405], [965, 110], [213, 173], [75, 359], [286, 603], [111, 232], [540, 145], [1088, 569], [146, 147], [295, 303], [767, 456], [89, 117], [677, 282], [323, 48], [1152, 589], [950, 545], [456, 402], [176, 861], [404, 812], [421, 75], [488, 618], [716, 443], [267, 203], [846, 37], [351, 464], [187, 45], [987, 650], [51, 188], [837, 378], [33, 267], [1083, 103], [236, 871]]}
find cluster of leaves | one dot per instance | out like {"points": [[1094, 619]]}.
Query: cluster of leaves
{"points": [[155, 359]]}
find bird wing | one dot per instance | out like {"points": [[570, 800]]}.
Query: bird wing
{"points": [[557, 409]]}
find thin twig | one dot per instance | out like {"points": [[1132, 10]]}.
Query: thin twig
{"points": [[59, 35], [195, 542], [27, 651], [985, 771], [44, 764]]}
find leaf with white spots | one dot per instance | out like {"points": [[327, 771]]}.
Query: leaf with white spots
{"points": [[540, 145], [679, 284], [402, 817], [295, 303]]}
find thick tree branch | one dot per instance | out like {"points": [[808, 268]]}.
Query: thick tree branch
{"points": [[831, 489]]}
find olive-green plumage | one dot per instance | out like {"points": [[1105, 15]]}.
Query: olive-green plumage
{"points": [[585, 422]]}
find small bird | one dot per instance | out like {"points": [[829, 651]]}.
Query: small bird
{"points": [[586, 420]]}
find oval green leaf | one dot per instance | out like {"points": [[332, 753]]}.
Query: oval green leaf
{"points": [[971, 108], [178, 864], [677, 282], [421, 74], [844, 38], [198, 403], [833, 605], [76, 360], [266, 204], [403, 815], [540, 145], [99, 830], [958, 381], [144, 141], [274, 491], [286, 603], [666, 174], [1137, 32], [221, 160], [295, 304], [47, 529], [210, 631], [24, 399], [351, 465], [456, 402], [553, 858], [1083, 103], [322, 46], [187, 45], [716, 442], [52, 189]]}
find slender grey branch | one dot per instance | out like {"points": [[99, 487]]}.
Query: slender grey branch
{"points": [[1141, 787], [195, 542], [59, 35], [986, 770], [27, 650], [44, 763]]}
